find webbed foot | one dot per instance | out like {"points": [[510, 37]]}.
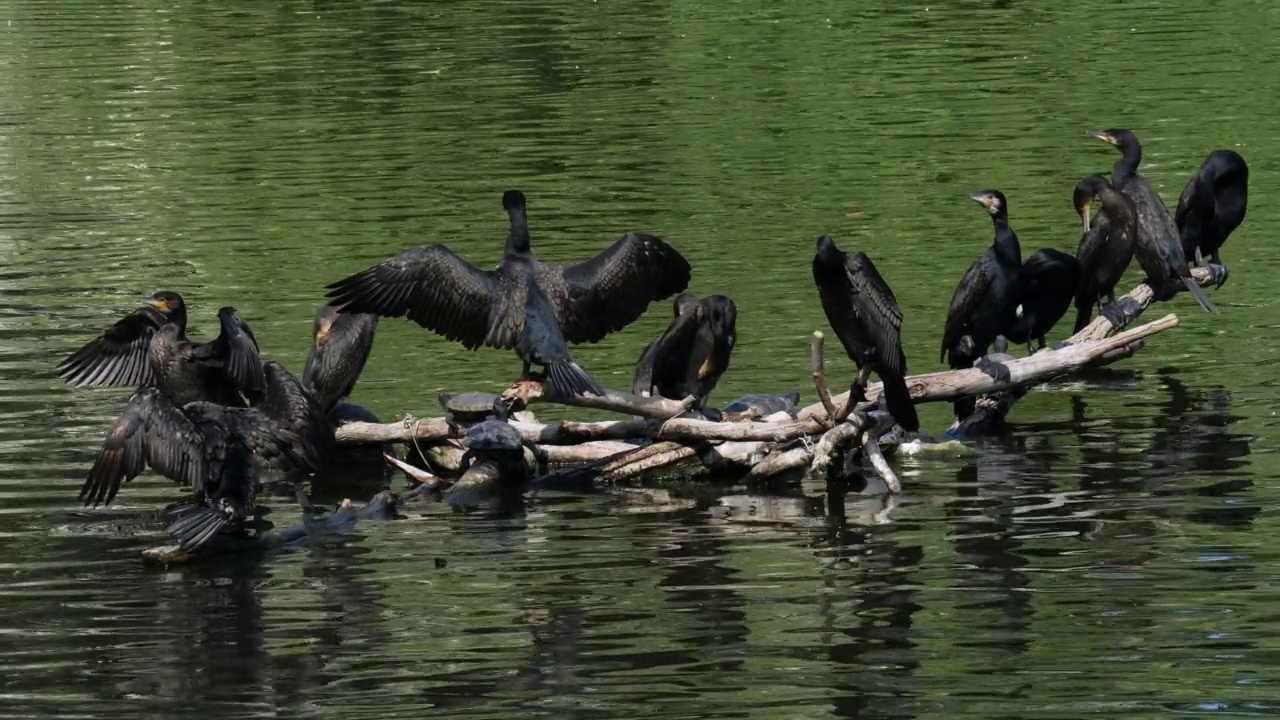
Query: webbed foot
{"points": [[1218, 273], [997, 370], [857, 392], [1119, 312]]}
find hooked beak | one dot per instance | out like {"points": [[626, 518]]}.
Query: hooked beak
{"points": [[984, 199], [157, 303], [1084, 216], [321, 335], [1104, 136]]}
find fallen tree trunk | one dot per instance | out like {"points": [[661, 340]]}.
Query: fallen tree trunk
{"points": [[932, 387], [657, 439]]}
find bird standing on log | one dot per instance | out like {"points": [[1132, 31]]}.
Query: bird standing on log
{"points": [[1159, 248], [1211, 206], [1106, 247], [524, 304], [692, 353], [985, 303], [150, 347], [865, 315]]}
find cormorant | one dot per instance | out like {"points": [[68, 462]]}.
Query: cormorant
{"points": [[524, 304], [341, 343], [1046, 285], [1211, 206], [1106, 246], [985, 303], [149, 347], [1159, 248], [692, 353], [862, 310], [211, 448]]}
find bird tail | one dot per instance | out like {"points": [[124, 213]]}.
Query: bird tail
{"points": [[898, 398], [1084, 314], [1194, 287], [193, 525], [568, 380]]}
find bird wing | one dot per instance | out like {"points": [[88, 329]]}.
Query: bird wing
{"points": [[236, 351], [152, 431], [117, 357], [968, 295], [608, 292], [432, 287], [878, 310], [288, 429], [1188, 200], [678, 333], [334, 365]]}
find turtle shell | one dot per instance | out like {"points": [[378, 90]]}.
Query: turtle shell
{"points": [[493, 436], [763, 404], [469, 405]]}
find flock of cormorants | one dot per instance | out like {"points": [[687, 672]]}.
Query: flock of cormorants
{"points": [[211, 415]]}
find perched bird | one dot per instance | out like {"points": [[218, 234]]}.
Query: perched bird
{"points": [[340, 346], [1046, 285], [692, 353], [1159, 247], [214, 449], [865, 316], [1106, 246], [149, 346], [1211, 206], [985, 303], [524, 304]]}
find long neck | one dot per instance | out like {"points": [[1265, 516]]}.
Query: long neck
{"points": [[1006, 247], [518, 237], [179, 317], [1127, 166]]}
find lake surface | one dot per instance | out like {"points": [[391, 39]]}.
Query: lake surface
{"points": [[1113, 555]]}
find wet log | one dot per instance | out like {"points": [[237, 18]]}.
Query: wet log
{"points": [[337, 523], [931, 387], [658, 439]]}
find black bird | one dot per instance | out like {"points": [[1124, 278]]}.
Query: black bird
{"points": [[340, 346], [1159, 247], [985, 303], [692, 353], [524, 304], [149, 346], [1046, 285], [1106, 246], [865, 315], [1211, 206], [211, 448]]}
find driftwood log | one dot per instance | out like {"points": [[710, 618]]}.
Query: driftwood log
{"points": [[659, 438]]}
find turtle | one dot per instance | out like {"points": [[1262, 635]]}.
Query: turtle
{"points": [[463, 411], [494, 439], [764, 404]]}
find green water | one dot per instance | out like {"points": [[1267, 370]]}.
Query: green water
{"points": [[1109, 557]]}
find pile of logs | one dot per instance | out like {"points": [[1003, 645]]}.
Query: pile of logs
{"points": [[820, 438]]}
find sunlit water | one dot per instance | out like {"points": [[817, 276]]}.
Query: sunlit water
{"points": [[1111, 556]]}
